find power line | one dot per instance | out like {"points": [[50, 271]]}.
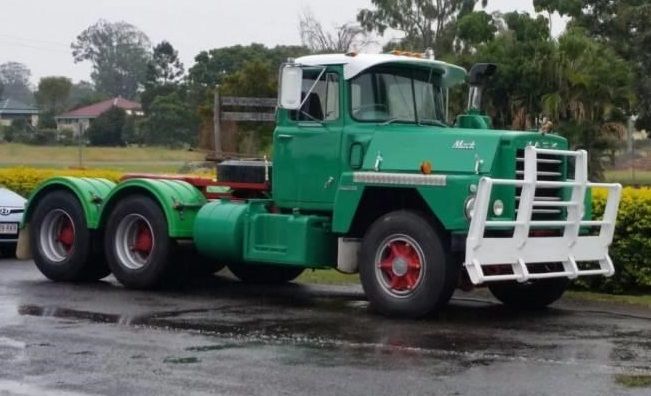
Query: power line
{"points": [[15, 44], [34, 40]]}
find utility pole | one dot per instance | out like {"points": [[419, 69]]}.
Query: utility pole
{"points": [[217, 124], [80, 143]]}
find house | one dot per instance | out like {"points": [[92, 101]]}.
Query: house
{"points": [[11, 110], [79, 119]]}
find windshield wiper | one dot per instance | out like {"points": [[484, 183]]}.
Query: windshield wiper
{"points": [[433, 122]]}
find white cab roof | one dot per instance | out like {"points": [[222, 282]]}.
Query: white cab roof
{"points": [[354, 65]]}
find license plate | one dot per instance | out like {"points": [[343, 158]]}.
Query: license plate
{"points": [[8, 228]]}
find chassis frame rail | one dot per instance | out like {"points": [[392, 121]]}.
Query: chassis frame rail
{"points": [[522, 249]]}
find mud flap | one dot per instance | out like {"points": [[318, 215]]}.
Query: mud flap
{"points": [[23, 249]]}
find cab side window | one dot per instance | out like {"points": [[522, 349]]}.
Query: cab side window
{"points": [[322, 102]]}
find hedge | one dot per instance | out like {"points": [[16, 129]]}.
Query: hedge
{"points": [[631, 248], [23, 180]]}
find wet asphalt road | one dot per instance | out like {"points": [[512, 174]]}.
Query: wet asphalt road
{"points": [[222, 337]]}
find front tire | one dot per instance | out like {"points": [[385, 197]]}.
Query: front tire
{"points": [[138, 248], [265, 273], [405, 268], [536, 294], [63, 247]]}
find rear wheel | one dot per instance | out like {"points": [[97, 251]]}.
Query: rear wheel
{"points": [[405, 269], [62, 246], [265, 273], [138, 247], [535, 294]]}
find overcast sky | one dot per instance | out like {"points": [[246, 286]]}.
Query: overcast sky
{"points": [[39, 33]]}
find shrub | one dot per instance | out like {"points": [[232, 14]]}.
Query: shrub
{"points": [[24, 180], [631, 248], [108, 128]]}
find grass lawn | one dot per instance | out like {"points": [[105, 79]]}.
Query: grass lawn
{"points": [[642, 300], [128, 159], [327, 277], [626, 177]]}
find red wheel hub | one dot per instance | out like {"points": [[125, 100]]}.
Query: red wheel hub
{"points": [[401, 265], [144, 239], [66, 235]]}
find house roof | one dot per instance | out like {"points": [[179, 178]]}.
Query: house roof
{"points": [[94, 110], [12, 106]]}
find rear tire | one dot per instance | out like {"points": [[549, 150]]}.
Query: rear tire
{"points": [[405, 269], [265, 273], [536, 294], [63, 247], [138, 248]]}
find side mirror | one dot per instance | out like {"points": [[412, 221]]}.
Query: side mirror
{"points": [[290, 87]]}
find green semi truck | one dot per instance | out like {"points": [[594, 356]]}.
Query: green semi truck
{"points": [[367, 177]]}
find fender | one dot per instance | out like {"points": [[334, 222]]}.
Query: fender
{"points": [[179, 200], [91, 193], [435, 193]]}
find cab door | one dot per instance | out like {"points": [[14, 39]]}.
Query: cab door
{"points": [[306, 163]]}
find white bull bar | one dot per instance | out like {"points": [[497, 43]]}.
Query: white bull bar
{"points": [[522, 249]]}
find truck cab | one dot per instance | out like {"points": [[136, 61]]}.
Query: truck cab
{"points": [[368, 177]]}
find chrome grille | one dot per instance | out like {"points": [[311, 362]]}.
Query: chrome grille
{"points": [[549, 168]]}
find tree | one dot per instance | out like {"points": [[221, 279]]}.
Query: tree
{"points": [[107, 129], [211, 67], [476, 28], [84, 93], [171, 122], [164, 74], [52, 97], [14, 77], [165, 67], [119, 53], [624, 26], [347, 37], [424, 23]]}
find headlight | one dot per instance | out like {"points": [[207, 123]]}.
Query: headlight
{"points": [[498, 207], [469, 207]]}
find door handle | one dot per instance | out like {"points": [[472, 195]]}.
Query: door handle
{"points": [[285, 136], [328, 182]]}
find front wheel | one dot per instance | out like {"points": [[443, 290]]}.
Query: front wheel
{"points": [[405, 268], [535, 294], [138, 247], [265, 273]]}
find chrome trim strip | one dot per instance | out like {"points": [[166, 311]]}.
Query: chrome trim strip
{"points": [[402, 179]]}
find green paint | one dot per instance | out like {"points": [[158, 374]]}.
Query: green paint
{"points": [[219, 230], [179, 200], [291, 239], [90, 192]]}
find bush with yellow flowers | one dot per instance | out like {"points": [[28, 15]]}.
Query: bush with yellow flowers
{"points": [[23, 180], [631, 248]]}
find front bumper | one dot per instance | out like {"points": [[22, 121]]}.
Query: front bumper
{"points": [[520, 251]]}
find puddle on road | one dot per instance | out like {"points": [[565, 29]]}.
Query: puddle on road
{"points": [[181, 360]]}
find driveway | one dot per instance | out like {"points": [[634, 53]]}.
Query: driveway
{"points": [[223, 337]]}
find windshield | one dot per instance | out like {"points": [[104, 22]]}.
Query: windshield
{"points": [[387, 94]]}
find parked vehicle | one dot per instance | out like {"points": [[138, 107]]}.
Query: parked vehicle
{"points": [[12, 207], [367, 177]]}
